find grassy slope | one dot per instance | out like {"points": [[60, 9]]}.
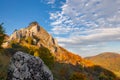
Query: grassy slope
{"points": [[4, 61], [108, 60]]}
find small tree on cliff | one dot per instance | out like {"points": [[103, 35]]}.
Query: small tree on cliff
{"points": [[2, 35]]}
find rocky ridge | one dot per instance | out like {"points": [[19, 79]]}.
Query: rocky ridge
{"points": [[41, 37]]}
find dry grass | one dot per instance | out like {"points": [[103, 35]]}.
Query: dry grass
{"points": [[4, 61]]}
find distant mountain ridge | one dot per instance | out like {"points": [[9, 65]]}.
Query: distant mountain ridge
{"points": [[108, 60]]}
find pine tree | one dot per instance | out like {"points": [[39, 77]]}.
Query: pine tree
{"points": [[2, 35]]}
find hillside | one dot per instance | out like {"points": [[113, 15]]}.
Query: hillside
{"points": [[108, 60], [35, 36], [65, 65]]}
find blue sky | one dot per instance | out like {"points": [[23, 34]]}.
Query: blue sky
{"points": [[85, 27]]}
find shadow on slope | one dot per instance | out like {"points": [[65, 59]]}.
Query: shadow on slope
{"points": [[61, 71]]}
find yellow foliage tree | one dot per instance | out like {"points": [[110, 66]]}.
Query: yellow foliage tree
{"points": [[36, 54]]}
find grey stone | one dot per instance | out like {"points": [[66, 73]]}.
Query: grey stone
{"points": [[38, 34], [27, 67]]}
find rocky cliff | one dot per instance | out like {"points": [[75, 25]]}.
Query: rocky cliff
{"points": [[39, 36], [36, 36], [26, 67]]}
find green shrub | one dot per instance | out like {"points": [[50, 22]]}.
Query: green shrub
{"points": [[46, 56], [102, 76], [77, 76]]}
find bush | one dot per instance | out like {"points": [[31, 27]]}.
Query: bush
{"points": [[77, 76], [102, 76], [46, 56], [29, 40]]}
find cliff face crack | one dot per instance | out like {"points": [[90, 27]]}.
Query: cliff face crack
{"points": [[24, 66]]}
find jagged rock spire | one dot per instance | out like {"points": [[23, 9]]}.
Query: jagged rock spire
{"points": [[38, 35], [33, 23]]}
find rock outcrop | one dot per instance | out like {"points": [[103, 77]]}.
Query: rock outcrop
{"points": [[27, 67], [36, 36], [40, 36]]}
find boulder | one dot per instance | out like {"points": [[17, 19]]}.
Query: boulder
{"points": [[27, 67]]}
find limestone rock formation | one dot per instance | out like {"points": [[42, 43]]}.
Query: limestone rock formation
{"points": [[27, 67], [39, 37]]}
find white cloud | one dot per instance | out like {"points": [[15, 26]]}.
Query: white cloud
{"points": [[48, 1], [87, 22], [88, 13], [51, 1], [92, 37]]}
